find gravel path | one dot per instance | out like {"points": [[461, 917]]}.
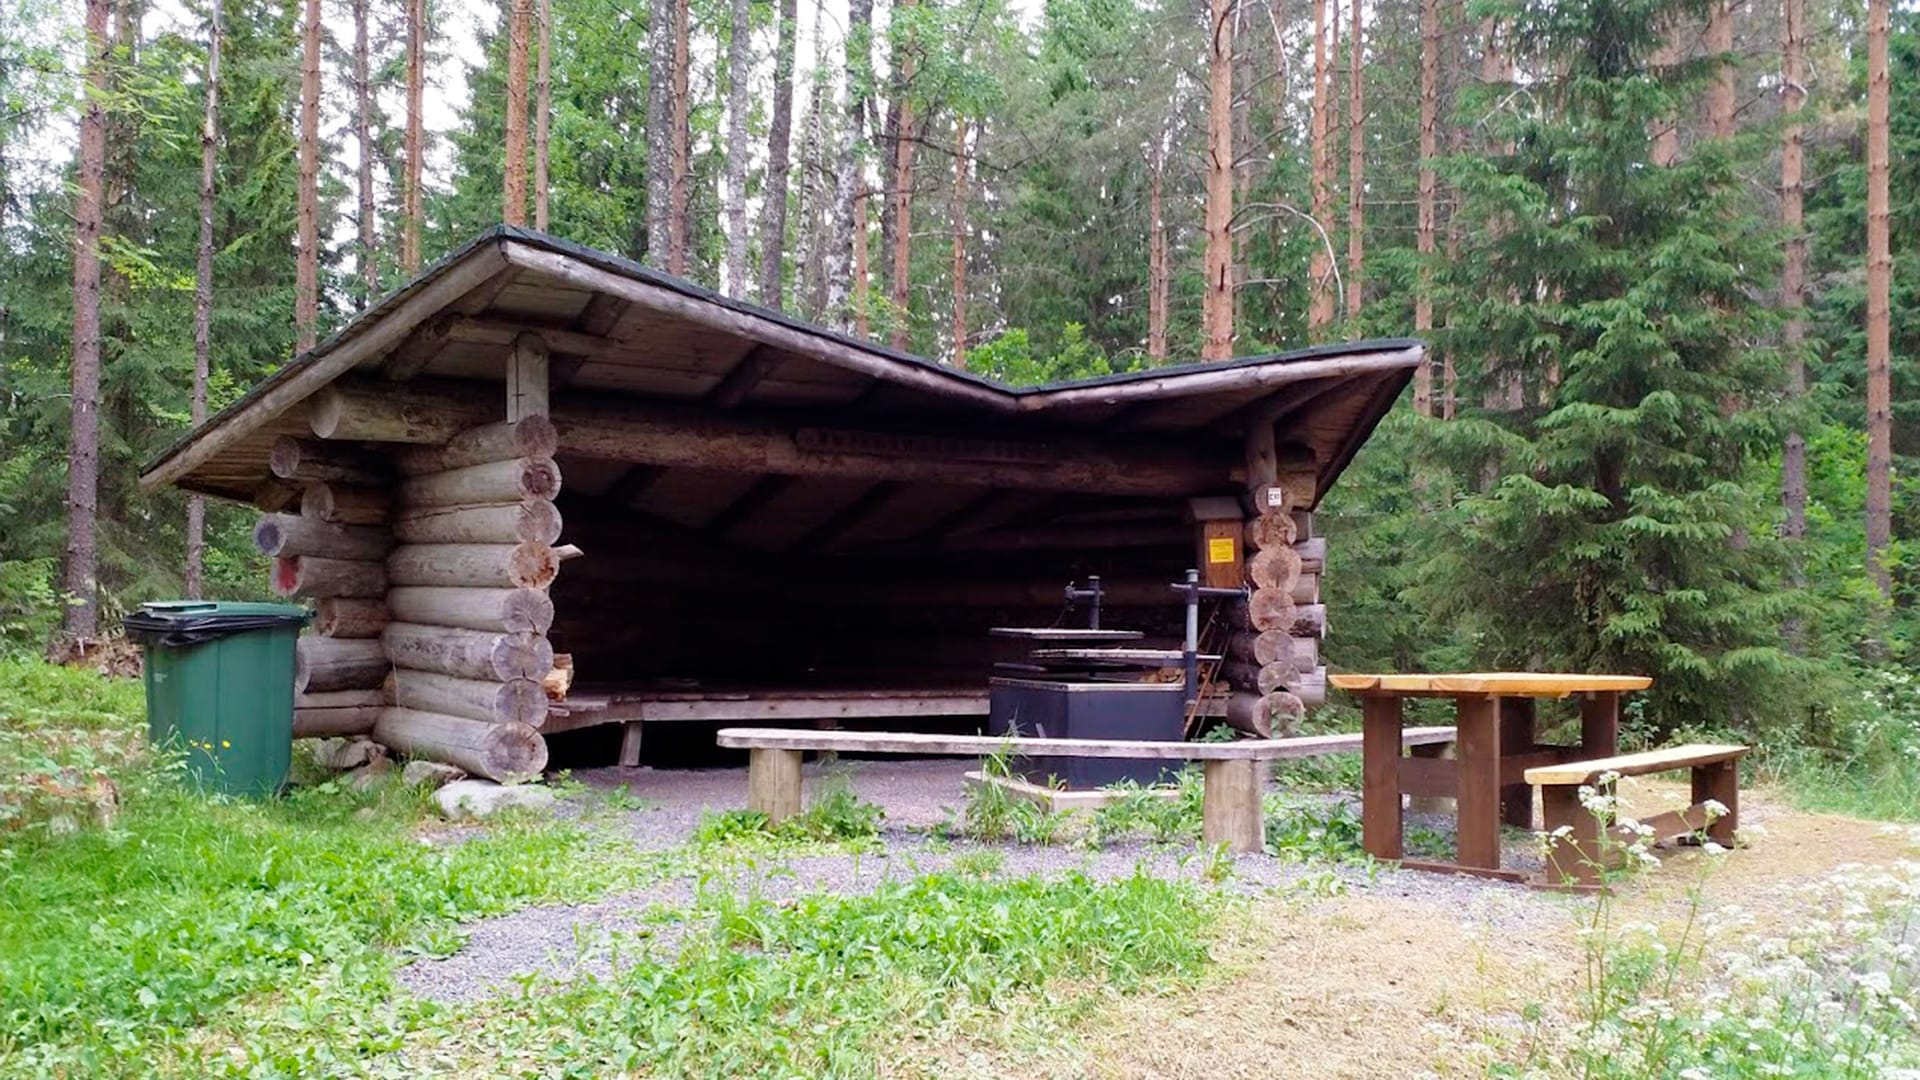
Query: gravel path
{"points": [[564, 942]]}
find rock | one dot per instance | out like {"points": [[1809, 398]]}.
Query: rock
{"points": [[432, 774], [484, 798], [369, 774]]}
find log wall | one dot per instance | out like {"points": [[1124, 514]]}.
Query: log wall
{"points": [[333, 552], [469, 613]]}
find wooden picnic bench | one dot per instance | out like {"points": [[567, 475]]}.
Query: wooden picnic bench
{"points": [[1575, 855], [1230, 802], [1494, 714]]}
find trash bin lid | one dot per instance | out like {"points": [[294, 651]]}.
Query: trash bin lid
{"points": [[200, 609], [180, 623]]}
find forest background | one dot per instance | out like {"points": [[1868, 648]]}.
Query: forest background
{"points": [[1668, 422]]}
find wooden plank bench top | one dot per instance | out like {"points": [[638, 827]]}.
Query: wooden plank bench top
{"points": [[1496, 683], [913, 742], [1665, 759], [1230, 808]]}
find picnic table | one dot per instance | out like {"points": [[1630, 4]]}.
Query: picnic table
{"points": [[1494, 747]]}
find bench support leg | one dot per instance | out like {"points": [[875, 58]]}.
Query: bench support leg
{"points": [[1516, 737], [1721, 782], [1478, 800], [1381, 820], [773, 783], [630, 746], [1573, 858], [1230, 811]]}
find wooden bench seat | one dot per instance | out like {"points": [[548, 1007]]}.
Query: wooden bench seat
{"points": [[1575, 855], [1230, 805]]}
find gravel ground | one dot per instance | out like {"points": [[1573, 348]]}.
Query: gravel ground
{"points": [[564, 942]]}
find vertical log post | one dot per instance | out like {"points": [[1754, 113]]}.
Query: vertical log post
{"points": [[1381, 822], [773, 783], [1230, 805]]}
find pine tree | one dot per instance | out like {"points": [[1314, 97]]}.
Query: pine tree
{"points": [[739, 69], [306, 299], [1217, 301], [1793, 455], [543, 116], [203, 292], [412, 205], [82, 620], [1879, 301], [1607, 536]]}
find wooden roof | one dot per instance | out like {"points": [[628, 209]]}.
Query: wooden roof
{"points": [[624, 335]]}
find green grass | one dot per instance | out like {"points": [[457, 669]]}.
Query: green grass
{"points": [[199, 937]]}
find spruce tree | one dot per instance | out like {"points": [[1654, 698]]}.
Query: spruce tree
{"points": [[1617, 524]]}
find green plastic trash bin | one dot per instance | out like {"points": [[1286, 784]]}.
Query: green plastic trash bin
{"points": [[219, 680]]}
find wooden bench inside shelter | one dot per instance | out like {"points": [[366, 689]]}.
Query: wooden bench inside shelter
{"points": [[1575, 854], [1230, 803]]}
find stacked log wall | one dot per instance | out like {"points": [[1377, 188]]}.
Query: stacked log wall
{"points": [[333, 552], [467, 577]]}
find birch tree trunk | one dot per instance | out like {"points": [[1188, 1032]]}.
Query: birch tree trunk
{"points": [[773, 208], [306, 285], [542, 116], [839, 283], [1429, 181], [1879, 323], [82, 617], [1216, 301], [959, 215], [659, 129], [1793, 456], [411, 211], [363, 139], [514, 191], [203, 295], [739, 64], [681, 177]]}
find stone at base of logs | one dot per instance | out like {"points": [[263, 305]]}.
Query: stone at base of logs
{"points": [[506, 752]]}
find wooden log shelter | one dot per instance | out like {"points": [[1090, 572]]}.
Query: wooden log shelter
{"points": [[536, 460]]}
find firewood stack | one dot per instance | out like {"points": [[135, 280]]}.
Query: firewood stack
{"points": [[333, 552], [1273, 656]]}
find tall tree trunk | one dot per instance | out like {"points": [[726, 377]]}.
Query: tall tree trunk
{"points": [[1356, 164], [412, 211], [847, 179], [1320, 266], [959, 216], [739, 65], [203, 295], [1666, 131], [306, 282], [1216, 302], [897, 229], [1719, 43], [1793, 456], [543, 117], [773, 207], [1879, 326], [862, 324], [363, 138], [82, 617], [659, 128], [1158, 275], [682, 175], [519, 34], [1429, 181], [818, 195]]}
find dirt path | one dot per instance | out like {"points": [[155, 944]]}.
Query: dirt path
{"points": [[1423, 984]]}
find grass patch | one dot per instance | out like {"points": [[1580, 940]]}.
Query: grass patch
{"points": [[837, 985]]}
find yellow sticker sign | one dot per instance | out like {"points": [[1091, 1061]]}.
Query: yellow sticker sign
{"points": [[1220, 549]]}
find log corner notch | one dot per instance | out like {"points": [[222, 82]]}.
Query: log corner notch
{"points": [[476, 522], [1273, 666]]}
